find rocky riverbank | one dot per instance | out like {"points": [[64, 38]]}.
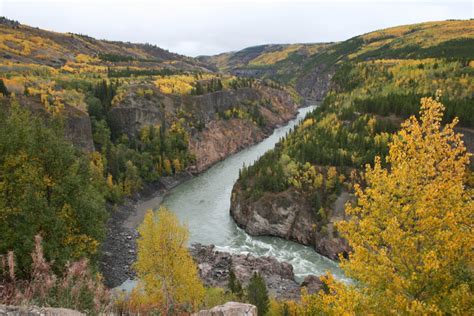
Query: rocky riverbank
{"points": [[215, 143], [214, 268], [119, 246], [289, 215]]}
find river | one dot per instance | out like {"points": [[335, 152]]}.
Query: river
{"points": [[203, 203]]}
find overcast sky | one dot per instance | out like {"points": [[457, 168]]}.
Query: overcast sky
{"points": [[203, 27]]}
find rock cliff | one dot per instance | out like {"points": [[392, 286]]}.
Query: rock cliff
{"points": [[78, 129], [316, 83], [287, 215], [77, 123], [216, 138], [222, 138]]}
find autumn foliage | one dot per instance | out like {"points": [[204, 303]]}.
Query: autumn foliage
{"points": [[167, 274], [411, 228], [78, 288], [47, 188]]}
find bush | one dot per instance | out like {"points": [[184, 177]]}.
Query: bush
{"points": [[46, 186], [216, 296], [78, 288]]}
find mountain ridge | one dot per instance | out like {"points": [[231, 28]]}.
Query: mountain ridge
{"points": [[438, 39], [56, 48]]}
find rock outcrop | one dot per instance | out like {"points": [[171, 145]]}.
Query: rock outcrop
{"points": [[287, 215], [230, 309], [315, 84], [8, 310], [218, 138], [313, 284], [77, 123], [223, 138], [78, 129], [214, 268]]}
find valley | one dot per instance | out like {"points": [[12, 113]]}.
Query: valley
{"points": [[266, 156]]}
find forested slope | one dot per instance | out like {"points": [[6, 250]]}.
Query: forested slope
{"points": [[309, 67], [86, 123], [297, 190]]}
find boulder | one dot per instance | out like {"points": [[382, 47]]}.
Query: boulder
{"points": [[312, 283], [8, 310], [230, 309], [214, 267]]}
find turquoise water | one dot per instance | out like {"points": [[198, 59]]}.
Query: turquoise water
{"points": [[204, 202]]}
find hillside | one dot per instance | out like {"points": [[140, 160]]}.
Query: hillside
{"points": [[139, 117], [279, 58], [298, 190], [283, 63], [29, 45], [125, 87], [308, 67], [94, 135]]}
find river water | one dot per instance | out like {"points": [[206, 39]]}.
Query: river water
{"points": [[204, 202]]}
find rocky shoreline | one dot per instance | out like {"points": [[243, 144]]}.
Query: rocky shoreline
{"points": [[290, 216], [119, 247], [119, 253], [214, 268]]}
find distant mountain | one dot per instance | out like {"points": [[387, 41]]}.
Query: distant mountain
{"points": [[309, 66], [263, 55], [25, 44]]}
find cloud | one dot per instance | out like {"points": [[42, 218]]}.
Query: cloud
{"points": [[210, 27]]}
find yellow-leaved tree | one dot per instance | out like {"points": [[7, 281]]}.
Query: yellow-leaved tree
{"points": [[411, 228], [167, 275]]}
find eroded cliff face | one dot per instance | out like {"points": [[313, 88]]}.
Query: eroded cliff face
{"points": [[78, 129], [288, 215], [134, 112], [221, 138], [77, 123], [315, 84], [212, 138]]}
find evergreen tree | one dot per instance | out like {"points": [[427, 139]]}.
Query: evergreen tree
{"points": [[105, 92], [219, 85], [46, 186], [3, 88], [257, 293], [411, 229], [234, 285], [199, 89]]}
